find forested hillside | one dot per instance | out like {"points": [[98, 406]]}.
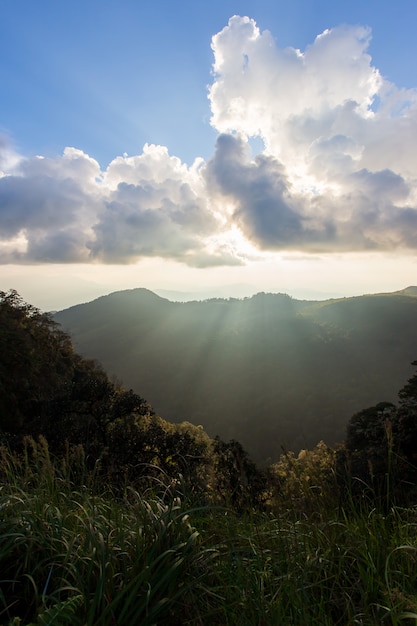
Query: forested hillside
{"points": [[111, 515], [270, 371], [48, 390]]}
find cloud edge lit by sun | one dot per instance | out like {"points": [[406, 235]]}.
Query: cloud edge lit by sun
{"points": [[337, 173]]}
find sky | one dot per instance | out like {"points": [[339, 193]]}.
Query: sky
{"points": [[207, 148]]}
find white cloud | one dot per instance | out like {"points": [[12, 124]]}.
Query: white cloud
{"points": [[338, 172], [262, 89], [67, 210], [51, 204], [157, 206]]}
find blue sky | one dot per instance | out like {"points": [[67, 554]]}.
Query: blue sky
{"points": [[324, 203], [108, 77]]}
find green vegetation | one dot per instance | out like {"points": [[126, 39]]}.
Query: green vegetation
{"points": [[73, 553], [381, 448], [269, 371], [111, 515], [49, 390]]}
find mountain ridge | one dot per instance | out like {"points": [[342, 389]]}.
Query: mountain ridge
{"points": [[410, 291]]}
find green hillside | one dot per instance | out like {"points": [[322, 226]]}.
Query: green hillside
{"points": [[269, 370]]}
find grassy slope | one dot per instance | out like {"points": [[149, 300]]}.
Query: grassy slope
{"points": [[72, 554]]}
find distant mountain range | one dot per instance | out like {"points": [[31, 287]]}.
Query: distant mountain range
{"points": [[269, 370]]}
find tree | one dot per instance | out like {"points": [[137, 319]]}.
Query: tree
{"points": [[238, 481], [369, 449], [381, 447], [47, 389], [303, 482], [405, 432], [35, 362]]}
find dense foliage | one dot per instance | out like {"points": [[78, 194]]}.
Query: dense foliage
{"points": [[380, 452], [36, 357], [49, 390], [73, 553]]}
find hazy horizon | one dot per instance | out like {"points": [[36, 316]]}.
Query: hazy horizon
{"points": [[47, 300]]}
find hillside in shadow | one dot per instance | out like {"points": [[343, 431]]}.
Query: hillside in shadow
{"points": [[269, 370]]}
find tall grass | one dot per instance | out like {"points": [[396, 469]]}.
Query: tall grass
{"points": [[74, 553], [323, 571]]}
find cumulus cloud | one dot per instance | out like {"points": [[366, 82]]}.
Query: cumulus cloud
{"points": [[263, 205], [67, 210], [338, 171], [155, 207], [369, 211], [48, 206]]}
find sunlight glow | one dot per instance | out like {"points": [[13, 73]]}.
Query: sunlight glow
{"points": [[239, 245], [17, 244]]}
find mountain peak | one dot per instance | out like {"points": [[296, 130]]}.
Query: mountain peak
{"points": [[410, 291], [138, 293]]}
